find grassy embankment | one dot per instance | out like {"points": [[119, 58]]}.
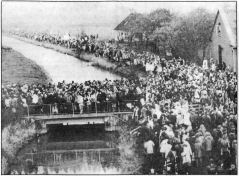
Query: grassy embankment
{"points": [[15, 133], [101, 63], [131, 154], [18, 69]]}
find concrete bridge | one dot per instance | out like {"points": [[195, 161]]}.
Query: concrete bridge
{"points": [[68, 114], [109, 120]]}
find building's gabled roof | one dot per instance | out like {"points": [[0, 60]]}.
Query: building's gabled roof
{"points": [[229, 19], [126, 23]]}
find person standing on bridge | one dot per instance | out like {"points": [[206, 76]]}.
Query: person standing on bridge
{"points": [[80, 101]]}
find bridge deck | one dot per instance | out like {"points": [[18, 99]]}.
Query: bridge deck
{"points": [[75, 116]]}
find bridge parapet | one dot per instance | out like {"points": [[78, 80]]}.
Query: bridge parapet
{"points": [[76, 109]]}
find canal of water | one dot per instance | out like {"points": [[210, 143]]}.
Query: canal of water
{"points": [[70, 150], [59, 66], [66, 149]]}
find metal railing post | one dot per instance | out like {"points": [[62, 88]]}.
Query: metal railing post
{"points": [[50, 110], [28, 111], [118, 106], [76, 155], [99, 157], [114, 123], [96, 107], [107, 104]]}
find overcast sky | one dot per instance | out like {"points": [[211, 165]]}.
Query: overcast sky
{"points": [[75, 13]]}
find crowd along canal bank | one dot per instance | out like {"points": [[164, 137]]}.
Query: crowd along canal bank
{"points": [[98, 62], [29, 153]]}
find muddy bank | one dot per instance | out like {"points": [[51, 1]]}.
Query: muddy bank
{"points": [[98, 62]]}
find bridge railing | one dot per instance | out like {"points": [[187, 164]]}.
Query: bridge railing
{"points": [[62, 157], [75, 108]]}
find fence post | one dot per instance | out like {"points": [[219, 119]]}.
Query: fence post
{"points": [[28, 111], [99, 157], [50, 110], [32, 157], [76, 155], [108, 106], [54, 157], [118, 106], [73, 111], [114, 124], [96, 107]]}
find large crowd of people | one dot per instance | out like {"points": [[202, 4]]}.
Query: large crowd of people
{"points": [[110, 50], [88, 97], [190, 121], [187, 113]]}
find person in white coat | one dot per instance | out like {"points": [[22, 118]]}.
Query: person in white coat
{"points": [[187, 157], [80, 101], [205, 64]]}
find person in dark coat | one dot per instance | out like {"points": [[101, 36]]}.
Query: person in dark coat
{"points": [[172, 118]]}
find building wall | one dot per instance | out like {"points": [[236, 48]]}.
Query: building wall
{"points": [[122, 35], [228, 53], [235, 59]]}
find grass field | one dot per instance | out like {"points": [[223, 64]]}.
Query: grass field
{"points": [[18, 69]]}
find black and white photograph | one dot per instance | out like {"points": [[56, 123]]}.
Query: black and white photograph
{"points": [[119, 87]]}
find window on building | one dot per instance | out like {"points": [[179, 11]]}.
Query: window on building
{"points": [[219, 29]]}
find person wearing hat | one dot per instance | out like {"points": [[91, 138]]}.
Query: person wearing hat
{"points": [[220, 168], [172, 118], [198, 148], [224, 148], [164, 147], [208, 146], [187, 157], [232, 170], [211, 168]]}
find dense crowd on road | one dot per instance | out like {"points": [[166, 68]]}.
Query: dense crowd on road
{"points": [[187, 113], [195, 126]]}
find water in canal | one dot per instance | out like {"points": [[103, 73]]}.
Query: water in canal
{"points": [[70, 150], [59, 66]]}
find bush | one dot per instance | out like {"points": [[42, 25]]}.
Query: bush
{"points": [[130, 160], [13, 138]]}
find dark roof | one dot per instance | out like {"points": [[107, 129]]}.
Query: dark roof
{"points": [[127, 22]]}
